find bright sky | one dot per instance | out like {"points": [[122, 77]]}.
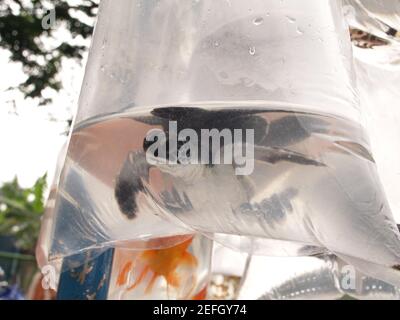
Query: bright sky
{"points": [[31, 136]]}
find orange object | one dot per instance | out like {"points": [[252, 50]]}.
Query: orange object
{"points": [[160, 263], [201, 295]]}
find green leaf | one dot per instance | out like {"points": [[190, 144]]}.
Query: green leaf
{"points": [[21, 219]]}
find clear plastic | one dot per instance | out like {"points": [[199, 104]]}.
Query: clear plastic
{"points": [[334, 280], [47, 221], [229, 269], [378, 25], [282, 69], [177, 272]]}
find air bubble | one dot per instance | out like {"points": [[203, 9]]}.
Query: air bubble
{"points": [[290, 19], [252, 50], [258, 21]]}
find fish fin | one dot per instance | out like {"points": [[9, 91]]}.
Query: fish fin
{"points": [[129, 183], [201, 295], [151, 283], [173, 279], [189, 260], [140, 278], [123, 275]]}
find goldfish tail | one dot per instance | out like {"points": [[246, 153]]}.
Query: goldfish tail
{"points": [[151, 284], [189, 259], [173, 279], [192, 286], [201, 295], [123, 275], [140, 278]]}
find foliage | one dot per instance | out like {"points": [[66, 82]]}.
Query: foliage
{"points": [[22, 34], [20, 212]]}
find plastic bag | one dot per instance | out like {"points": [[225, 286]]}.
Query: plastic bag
{"points": [[278, 76], [375, 26], [334, 280], [47, 222], [177, 272]]}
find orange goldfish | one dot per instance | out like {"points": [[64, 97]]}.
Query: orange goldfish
{"points": [[160, 263]]}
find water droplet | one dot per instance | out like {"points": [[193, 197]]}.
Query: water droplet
{"points": [[290, 19], [300, 31], [102, 68], [216, 43], [258, 21], [252, 50], [267, 14]]}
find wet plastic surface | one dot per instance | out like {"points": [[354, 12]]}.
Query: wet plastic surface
{"points": [[217, 64]]}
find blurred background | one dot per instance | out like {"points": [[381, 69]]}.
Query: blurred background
{"points": [[42, 63], [43, 50]]}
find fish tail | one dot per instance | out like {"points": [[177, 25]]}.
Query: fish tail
{"points": [[173, 279], [123, 275], [189, 259], [139, 279], [201, 295], [151, 283]]}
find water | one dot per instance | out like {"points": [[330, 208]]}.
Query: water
{"points": [[314, 184], [179, 272]]}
